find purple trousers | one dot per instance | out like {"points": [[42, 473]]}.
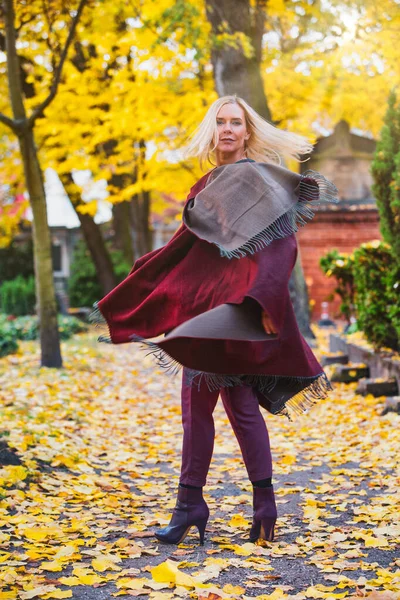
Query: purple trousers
{"points": [[243, 410]]}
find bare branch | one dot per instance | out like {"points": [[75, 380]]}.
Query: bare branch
{"points": [[57, 76], [23, 22], [9, 122], [54, 48]]}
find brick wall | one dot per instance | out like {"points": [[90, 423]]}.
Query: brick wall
{"points": [[344, 230]]}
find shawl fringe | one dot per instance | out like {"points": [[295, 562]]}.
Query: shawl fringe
{"points": [[318, 388], [308, 397], [326, 192], [162, 358], [309, 195], [96, 318]]}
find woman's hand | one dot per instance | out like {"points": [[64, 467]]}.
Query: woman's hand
{"points": [[267, 322]]}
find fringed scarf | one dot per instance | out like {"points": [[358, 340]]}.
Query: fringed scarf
{"points": [[246, 205], [231, 257]]}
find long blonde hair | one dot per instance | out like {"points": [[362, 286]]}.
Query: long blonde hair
{"points": [[267, 143]]}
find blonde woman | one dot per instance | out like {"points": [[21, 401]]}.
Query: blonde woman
{"points": [[218, 291]]}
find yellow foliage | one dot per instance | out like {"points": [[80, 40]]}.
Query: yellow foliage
{"points": [[89, 208]]}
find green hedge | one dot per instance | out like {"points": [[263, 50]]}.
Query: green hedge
{"points": [[378, 311], [17, 296], [368, 282]]}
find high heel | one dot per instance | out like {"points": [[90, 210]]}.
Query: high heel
{"points": [[190, 509], [264, 515], [201, 526]]}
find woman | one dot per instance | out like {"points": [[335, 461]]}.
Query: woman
{"points": [[218, 291]]}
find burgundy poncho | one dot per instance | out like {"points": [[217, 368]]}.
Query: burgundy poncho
{"points": [[207, 298]]}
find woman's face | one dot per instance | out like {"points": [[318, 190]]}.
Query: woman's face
{"points": [[232, 130]]}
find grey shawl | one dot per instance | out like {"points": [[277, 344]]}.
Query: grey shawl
{"points": [[246, 205]]}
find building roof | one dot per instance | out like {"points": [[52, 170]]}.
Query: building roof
{"points": [[343, 141], [60, 212]]}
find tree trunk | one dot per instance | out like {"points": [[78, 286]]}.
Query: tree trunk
{"points": [[45, 294], [299, 296], [93, 237], [123, 230], [234, 73], [140, 214]]}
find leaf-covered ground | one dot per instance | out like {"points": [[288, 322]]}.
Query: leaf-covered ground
{"points": [[99, 443]]}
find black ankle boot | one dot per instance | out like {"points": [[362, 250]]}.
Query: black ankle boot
{"points": [[191, 509], [265, 514]]}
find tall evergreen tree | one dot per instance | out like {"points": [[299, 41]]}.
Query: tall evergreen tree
{"points": [[385, 170]]}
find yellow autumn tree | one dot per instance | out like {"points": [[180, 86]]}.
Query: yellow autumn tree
{"points": [[319, 79], [20, 120], [139, 78]]}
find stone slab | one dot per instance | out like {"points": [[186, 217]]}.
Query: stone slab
{"points": [[377, 387]]}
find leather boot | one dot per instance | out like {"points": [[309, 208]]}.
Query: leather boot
{"points": [[191, 509], [264, 515]]}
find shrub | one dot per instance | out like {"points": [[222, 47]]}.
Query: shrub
{"points": [[17, 296], [27, 328], [341, 267], [8, 338], [83, 286], [392, 280], [368, 282], [376, 300], [69, 326]]}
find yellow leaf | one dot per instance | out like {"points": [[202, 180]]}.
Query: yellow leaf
{"points": [[90, 579], [375, 542], [69, 580], [103, 563], [60, 459], [132, 584], [59, 594], [243, 550], [233, 589], [238, 521], [168, 572], [37, 591], [80, 575], [5, 556], [277, 594], [312, 512], [122, 542], [14, 474], [53, 565], [66, 550], [315, 592], [38, 534]]}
